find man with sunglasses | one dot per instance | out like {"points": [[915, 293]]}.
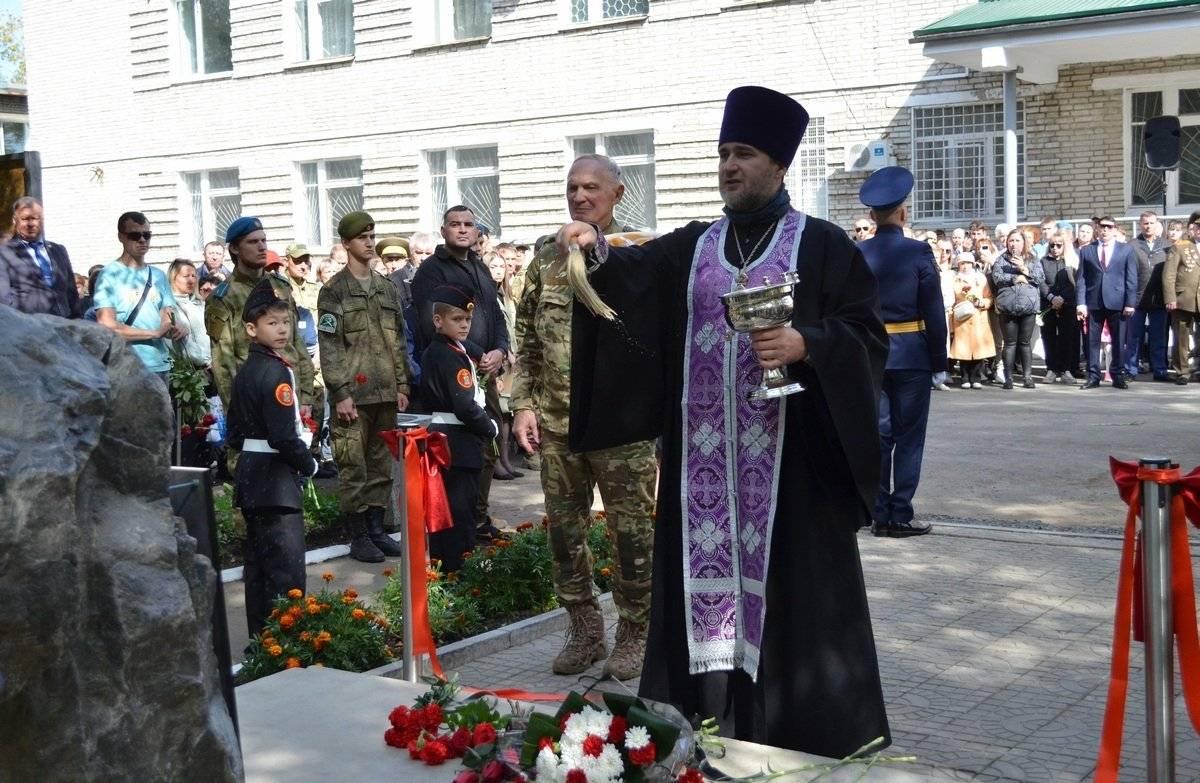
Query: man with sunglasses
{"points": [[863, 229], [135, 300], [1106, 288]]}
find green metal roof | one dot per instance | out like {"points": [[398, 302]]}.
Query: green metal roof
{"points": [[988, 14]]}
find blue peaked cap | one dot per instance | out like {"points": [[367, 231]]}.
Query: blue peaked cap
{"points": [[241, 227], [886, 188]]}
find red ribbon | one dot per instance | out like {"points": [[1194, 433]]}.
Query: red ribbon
{"points": [[1185, 505], [428, 510]]}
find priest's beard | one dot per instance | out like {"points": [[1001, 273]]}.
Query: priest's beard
{"points": [[752, 196]]}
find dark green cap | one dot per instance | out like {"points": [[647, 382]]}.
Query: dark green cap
{"points": [[354, 224]]}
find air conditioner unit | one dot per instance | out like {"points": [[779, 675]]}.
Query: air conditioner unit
{"points": [[867, 155]]}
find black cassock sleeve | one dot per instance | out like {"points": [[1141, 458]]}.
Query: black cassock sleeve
{"points": [[618, 368], [280, 419]]}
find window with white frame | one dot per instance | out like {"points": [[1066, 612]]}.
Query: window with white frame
{"points": [[202, 35], [331, 189], [1146, 186], [212, 200], [634, 153], [322, 28], [808, 178], [13, 134], [958, 161], [456, 20], [468, 176], [598, 10]]}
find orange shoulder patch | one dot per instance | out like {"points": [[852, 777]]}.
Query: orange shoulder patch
{"points": [[283, 394], [464, 379]]}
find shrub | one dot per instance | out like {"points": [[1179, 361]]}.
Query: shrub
{"points": [[330, 628]]}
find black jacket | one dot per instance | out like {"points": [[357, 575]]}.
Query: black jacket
{"points": [[1050, 268], [26, 288], [261, 406], [1152, 295], [448, 386], [488, 331]]}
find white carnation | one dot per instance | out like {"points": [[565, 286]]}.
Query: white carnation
{"points": [[636, 737], [598, 721], [548, 768], [576, 729]]}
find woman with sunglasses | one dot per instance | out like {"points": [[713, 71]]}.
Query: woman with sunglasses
{"points": [[1017, 279], [1060, 328]]}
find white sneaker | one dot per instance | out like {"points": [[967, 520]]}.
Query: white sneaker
{"points": [[1067, 377], [941, 387], [966, 385], [976, 385], [1050, 377]]}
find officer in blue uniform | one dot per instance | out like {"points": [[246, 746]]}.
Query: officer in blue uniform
{"points": [[910, 298]]}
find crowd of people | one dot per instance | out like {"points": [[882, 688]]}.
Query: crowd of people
{"points": [[1008, 290]]}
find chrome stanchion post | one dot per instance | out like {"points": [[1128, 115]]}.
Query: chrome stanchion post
{"points": [[1159, 630], [408, 669]]}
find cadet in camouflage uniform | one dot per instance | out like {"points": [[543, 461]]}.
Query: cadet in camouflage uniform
{"points": [[223, 314], [626, 475], [360, 328]]}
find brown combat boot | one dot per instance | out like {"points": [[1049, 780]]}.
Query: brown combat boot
{"points": [[625, 663], [585, 640]]}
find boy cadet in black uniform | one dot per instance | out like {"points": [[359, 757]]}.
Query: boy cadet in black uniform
{"points": [[265, 426], [450, 391]]}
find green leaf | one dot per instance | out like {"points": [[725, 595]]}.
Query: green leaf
{"points": [[619, 703], [661, 731], [540, 725]]}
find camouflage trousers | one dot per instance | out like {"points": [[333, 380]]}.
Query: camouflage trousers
{"points": [[363, 460], [626, 477]]}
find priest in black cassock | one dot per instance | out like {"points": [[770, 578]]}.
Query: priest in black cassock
{"points": [[759, 614]]}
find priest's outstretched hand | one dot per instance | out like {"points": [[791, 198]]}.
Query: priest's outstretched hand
{"points": [[778, 347], [576, 233]]}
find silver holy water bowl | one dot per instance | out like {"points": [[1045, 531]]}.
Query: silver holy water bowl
{"points": [[756, 309]]}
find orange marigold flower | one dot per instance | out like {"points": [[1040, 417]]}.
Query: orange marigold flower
{"points": [[287, 621], [347, 600], [295, 592], [601, 514], [468, 554], [275, 613], [296, 612], [324, 607], [525, 526], [358, 614], [314, 609], [328, 577], [275, 651], [431, 575], [324, 636], [491, 551], [305, 636], [293, 662], [388, 572], [382, 622], [350, 592], [606, 571]]}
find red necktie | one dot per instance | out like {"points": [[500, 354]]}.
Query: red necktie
{"points": [[1103, 257]]}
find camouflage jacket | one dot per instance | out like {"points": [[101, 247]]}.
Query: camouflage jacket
{"points": [[230, 345], [361, 339], [541, 380]]}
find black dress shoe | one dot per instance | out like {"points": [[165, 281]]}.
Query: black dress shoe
{"points": [[1091, 385], [1008, 384], [1029, 384], [907, 529], [1181, 380], [1119, 383]]}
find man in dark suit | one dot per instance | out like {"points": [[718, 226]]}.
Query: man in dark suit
{"points": [[1106, 289], [39, 274], [910, 297]]}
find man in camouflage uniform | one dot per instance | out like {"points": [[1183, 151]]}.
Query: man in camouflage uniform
{"points": [[360, 327], [626, 474], [223, 314], [298, 262]]}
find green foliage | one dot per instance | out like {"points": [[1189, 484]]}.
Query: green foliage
{"points": [[186, 380], [327, 629], [506, 579], [474, 712], [12, 47]]}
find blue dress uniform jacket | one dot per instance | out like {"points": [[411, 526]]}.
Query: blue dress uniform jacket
{"points": [[909, 290]]}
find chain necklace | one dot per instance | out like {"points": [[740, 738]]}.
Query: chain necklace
{"points": [[742, 277]]}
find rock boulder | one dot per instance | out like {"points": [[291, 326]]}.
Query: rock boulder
{"points": [[106, 664]]}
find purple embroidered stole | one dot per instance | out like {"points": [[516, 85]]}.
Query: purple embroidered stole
{"points": [[731, 460]]}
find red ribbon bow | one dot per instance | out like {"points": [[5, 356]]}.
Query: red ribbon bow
{"points": [[428, 509], [1185, 505]]}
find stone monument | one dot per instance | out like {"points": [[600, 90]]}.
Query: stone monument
{"points": [[107, 669]]}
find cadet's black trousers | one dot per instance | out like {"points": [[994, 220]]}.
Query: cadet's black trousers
{"points": [[462, 491], [274, 560]]}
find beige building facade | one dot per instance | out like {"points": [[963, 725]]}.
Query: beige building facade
{"points": [[297, 111]]}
